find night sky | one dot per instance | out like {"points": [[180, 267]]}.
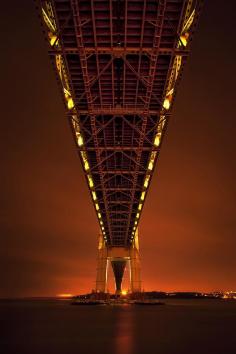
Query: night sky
{"points": [[48, 225]]}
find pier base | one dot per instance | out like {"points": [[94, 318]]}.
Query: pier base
{"points": [[119, 258]]}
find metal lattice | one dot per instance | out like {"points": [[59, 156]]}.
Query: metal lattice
{"points": [[119, 63]]}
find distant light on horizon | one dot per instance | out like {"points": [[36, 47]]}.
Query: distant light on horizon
{"points": [[65, 295]]}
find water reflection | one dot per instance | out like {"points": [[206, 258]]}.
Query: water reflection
{"points": [[124, 331]]}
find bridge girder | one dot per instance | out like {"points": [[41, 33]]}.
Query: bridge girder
{"points": [[119, 64]]}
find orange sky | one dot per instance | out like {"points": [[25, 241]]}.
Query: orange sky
{"points": [[48, 225]]}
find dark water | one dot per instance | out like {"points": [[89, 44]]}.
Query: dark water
{"points": [[179, 327]]}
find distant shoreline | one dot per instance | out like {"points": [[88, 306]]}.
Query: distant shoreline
{"points": [[147, 295]]}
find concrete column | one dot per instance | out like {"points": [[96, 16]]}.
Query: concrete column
{"points": [[135, 267], [102, 262]]}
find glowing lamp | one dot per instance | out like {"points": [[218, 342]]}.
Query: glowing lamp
{"points": [[94, 195], [184, 39], [79, 139], [70, 103], [86, 165], [53, 39], [157, 139], [166, 103], [146, 181], [85, 161], [150, 165], [90, 181]]}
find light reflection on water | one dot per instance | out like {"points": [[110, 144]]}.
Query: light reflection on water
{"points": [[124, 338]]}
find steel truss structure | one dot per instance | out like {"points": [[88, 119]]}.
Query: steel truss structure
{"points": [[118, 63]]}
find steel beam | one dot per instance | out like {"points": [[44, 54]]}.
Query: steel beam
{"points": [[121, 51]]}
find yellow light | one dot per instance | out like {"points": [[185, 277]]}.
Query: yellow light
{"points": [[70, 103], [99, 215], [94, 195], [150, 165], [97, 206], [146, 181], [140, 206], [143, 195], [152, 159], [134, 228], [184, 39], [86, 165], [79, 139], [137, 216], [101, 222], [124, 292], [135, 223], [157, 139], [85, 161], [53, 39], [161, 125], [166, 103], [90, 181], [102, 228]]}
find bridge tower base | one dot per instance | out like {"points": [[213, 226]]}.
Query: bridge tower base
{"points": [[102, 263], [119, 257]]}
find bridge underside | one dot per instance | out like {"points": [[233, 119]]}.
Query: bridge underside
{"points": [[119, 63]]}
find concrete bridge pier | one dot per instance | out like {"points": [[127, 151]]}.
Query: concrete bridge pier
{"points": [[135, 271], [102, 265], [119, 257]]}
